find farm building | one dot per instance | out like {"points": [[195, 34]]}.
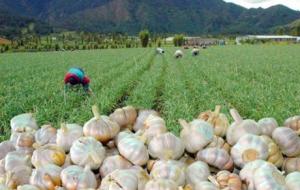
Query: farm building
{"points": [[275, 38], [4, 41], [198, 41]]}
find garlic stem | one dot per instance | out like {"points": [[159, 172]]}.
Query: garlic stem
{"points": [[96, 113], [63, 127], [235, 115], [217, 109], [183, 123]]}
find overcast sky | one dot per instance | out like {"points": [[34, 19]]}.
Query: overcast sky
{"points": [[293, 4]]}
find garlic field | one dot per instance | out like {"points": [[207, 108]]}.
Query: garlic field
{"points": [[259, 81]]}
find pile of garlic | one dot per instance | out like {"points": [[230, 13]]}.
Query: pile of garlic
{"points": [[132, 150]]}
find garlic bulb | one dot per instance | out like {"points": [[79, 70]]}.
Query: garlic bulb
{"points": [[48, 154], [133, 149], [67, 135], [100, 127], [196, 134], [16, 159], [287, 140], [269, 178], [205, 185], [171, 170], [196, 172], [5, 148], [291, 165], [293, 181], [124, 116], [293, 123], [18, 176], [120, 179], [161, 184], [267, 126], [249, 148], [23, 141], [27, 187], [240, 127], [45, 135], [228, 180], [46, 177], [77, 178], [274, 155], [87, 151], [153, 126], [123, 134], [113, 163], [166, 146], [23, 122], [141, 175], [219, 142], [248, 171], [142, 116], [216, 157], [218, 120]]}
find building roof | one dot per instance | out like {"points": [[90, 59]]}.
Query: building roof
{"points": [[271, 36]]}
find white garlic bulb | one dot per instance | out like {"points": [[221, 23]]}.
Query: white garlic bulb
{"points": [[249, 148], [142, 176], [113, 163], [196, 172], [46, 177], [166, 146], [45, 135], [125, 116], [205, 185], [240, 128], [287, 140], [87, 151], [161, 184], [216, 157], [267, 126], [19, 175], [142, 116], [23, 122], [67, 135], [196, 134], [23, 141], [5, 148], [171, 169], [48, 154], [133, 149], [219, 142], [16, 159], [293, 181], [120, 179], [293, 123], [77, 178], [291, 165]]}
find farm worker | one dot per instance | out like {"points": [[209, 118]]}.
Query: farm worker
{"points": [[76, 76]]}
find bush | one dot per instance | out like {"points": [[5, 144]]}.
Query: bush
{"points": [[178, 40], [144, 37]]}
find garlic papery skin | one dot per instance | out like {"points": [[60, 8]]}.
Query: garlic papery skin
{"points": [[119, 180], [274, 154], [113, 163], [46, 177], [240, 128], [216, 157], [16, 159], [125, 117], [142, 116], [67, 135], [249, 148], [161, 184], [171, 170], [287, 140], [45, 135], [87, 151], [267, 126], [218, 120], [292, 181], [196, 134], [100, 127], [48, 154], [166, 147], [78, 178], [5, 148], [291, 165], [293, 123], [197, 171], [23, 122]]}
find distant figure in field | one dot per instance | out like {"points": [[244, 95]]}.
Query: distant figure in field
{"points": [[75, 76]]}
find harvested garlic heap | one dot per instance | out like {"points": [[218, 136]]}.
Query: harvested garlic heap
{"points": [[132, 150]]}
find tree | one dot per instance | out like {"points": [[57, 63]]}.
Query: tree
{"points": [[296, 31], [178, 40], [144, 37]]}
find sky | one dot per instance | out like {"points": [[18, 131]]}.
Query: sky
{"points": [[293, 4]]}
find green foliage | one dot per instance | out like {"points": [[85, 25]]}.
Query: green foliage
{"points": [[178, 40], [144, 36]]}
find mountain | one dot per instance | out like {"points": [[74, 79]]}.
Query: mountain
{"points": [[290, 29], [168, 16]]}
